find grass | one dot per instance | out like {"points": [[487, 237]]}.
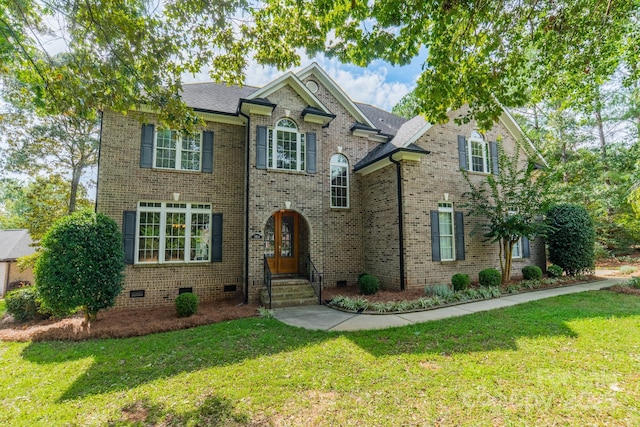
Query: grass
{"points": [[570, 360]]}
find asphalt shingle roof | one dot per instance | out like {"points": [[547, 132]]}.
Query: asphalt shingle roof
{"points": [[15, 244]]}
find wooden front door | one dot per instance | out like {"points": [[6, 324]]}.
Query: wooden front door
{"points": [[281, 242]]}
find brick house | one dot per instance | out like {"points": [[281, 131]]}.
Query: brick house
{"points": [[288, 173]]}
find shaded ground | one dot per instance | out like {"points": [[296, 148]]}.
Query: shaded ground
{"points": [[120, 323]]}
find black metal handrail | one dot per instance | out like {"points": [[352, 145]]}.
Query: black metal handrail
{"points": [[315, 278], [267, 278]]}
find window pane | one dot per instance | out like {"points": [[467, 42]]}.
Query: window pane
{"points": [[175, 236], [200, 237], [269, 238], [446, 248], [190, 159], [445, 220], [166, 149], [339, 182], [149, 237], [516, 252], [287, 150], [478, 153]]}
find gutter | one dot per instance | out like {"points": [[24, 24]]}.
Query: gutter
{"points": [[400, 218], [246, 211]]}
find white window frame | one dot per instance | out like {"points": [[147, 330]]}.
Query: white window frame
{"points": [[200, 241], [477, 140], [179, 150], [342, 166], [447, 208], [517, 244], [272, 145]]}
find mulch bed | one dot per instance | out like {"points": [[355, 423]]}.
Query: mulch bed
{"points": [[122, 323]]}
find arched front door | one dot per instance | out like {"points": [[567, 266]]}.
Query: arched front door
{"points": [[281, 242]]}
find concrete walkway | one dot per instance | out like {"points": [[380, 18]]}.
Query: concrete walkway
{"points": [[321, 317]]}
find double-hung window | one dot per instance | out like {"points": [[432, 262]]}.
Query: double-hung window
{"points": [[339, 181], [478, 153], [174, 150], [286, 146], [516, 250], [173, 232], [446, 226]]}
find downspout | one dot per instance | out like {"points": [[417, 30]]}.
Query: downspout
{"points": [[246, 211], [400, 218], [98, 167]]}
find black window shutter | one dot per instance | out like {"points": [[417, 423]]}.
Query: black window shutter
{"points": [[435, 236], [146, 146], [311, 152], [493, 150], [526, 253], [261, 147], [462, 153], [129, 236], [216, 238], [459, 232], [207, 151]]}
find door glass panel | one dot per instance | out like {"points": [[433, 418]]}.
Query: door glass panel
{"points": [[270, 238], [286, 246]]}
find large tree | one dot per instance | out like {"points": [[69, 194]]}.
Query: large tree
{"points": [[510, 205], [484, 53]]}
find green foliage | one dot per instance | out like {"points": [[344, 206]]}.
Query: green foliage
{"points": [[634, 283], [23, 303], [572, 238], [368, 284], [81, 264], [187, 304], [510, 205], [554, 271], [440, 291], [627, 269], [489, 277], [460, 281], [531, 272]]}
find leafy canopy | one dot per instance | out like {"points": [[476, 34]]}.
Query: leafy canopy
{"points": [[132, 53]]}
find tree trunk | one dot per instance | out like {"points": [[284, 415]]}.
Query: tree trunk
{"points": [[506, 265], [73, 193]]}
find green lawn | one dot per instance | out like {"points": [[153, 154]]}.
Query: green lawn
{"points": [[572, 360]]}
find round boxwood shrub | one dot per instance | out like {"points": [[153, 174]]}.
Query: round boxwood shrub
{"points": [[489, 277], [571, 239], [369, 284], [531, 272], [22, 303], [460, 281], [186, 304], [554, 271], [80, 265]]}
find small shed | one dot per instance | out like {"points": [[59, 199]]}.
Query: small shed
{"points": [[13, 245]]}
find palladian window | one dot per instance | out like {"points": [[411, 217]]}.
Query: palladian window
{"points": [[286, 146]]}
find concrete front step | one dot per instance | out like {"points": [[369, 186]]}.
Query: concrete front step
{"points": [[289, 292]]}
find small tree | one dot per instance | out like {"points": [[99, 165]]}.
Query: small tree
{"points": [[512, 201], [571, 239], [81, 264]]}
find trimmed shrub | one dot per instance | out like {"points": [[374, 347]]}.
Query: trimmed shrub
{"points": [[554, 271], [368, 284], [531, 272], [186, 304], [489, 277], [460, 281], [81, 264], [22, 303], [571, 239]]}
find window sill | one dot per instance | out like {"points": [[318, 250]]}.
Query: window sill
{"points": [[176, 170], [169, 264], [477, 173], [288, 172]]}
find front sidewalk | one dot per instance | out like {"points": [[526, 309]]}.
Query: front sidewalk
{"points": [[318, 317]]}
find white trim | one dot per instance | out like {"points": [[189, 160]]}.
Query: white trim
{"points": [[290, 79], [345, 166], [447, 207], [178, 151], [384, 162], [169, 207], [335, 90]]}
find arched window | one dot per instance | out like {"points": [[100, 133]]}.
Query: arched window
{"points": [[339, 167], [286, 146], [478, 153]]}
